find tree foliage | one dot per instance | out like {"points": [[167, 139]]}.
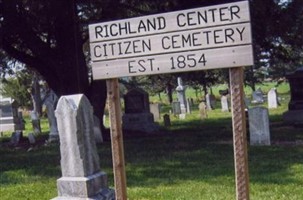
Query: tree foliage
{"points": [[49, 35]]}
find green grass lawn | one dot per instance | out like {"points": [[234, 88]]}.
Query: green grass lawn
{"points": [[191, 160]]}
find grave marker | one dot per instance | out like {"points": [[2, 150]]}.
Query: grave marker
{"points": [[272, 98], [81, 174], [259, 126]]}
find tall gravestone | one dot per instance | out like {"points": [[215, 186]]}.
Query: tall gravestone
{"points": [[81, 175], [294, 115], [181, 96], [50, 101], [259, 126], [137, 116], [272, 98]]}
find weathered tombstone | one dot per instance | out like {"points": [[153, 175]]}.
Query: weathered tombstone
{"points": [[203, 110], [35, 123], [188, 105], [210, 101], [137, 116], [224, 103], [181, 96], [176, 107], [81, 175], [166, 119], [50, 101], [97, 130], [294, 115], [10, 118], [16, 137], [31, 138], [155, 110], [257, 96], [272, 98], [259, 126]]}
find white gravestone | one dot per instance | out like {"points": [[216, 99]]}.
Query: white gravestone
{"points": [[155, 110], [50, 102], [203, 110], [259, 126], [181, 96], [224, 103], [272, 98], [81, 175]]}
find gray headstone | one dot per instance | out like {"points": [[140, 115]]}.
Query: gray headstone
{"points": [[272, 98], [50, 102], [16, 137], [259, 126], [176, 107], [224, 104], [10, 118], [81, 175], [181, 96], [31, 138], [257, 96]]}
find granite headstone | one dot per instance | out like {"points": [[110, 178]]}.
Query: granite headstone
{"points": [[259, 126], [81, 174]]}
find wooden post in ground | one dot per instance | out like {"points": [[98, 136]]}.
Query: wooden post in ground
{"points": [[239, 133], [114, 105]]}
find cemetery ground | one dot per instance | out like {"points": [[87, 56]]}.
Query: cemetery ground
{"points": [[191, 159]]}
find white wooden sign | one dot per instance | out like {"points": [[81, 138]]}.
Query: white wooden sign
{"points": [[196, 39]]}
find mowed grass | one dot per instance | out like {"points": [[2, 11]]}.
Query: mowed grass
{"points": [[191, 160]]}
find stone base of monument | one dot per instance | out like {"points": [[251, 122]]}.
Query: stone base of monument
{"points": [[87, 188], [294, 117], [143, 122]]}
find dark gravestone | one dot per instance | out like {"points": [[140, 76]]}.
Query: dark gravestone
{"points": [[136, 101], [294, 115], [137, 115]]}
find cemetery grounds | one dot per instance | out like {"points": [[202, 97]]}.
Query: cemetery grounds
{"points": [[191, 159]]}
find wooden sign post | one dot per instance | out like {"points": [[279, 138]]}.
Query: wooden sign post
{"points": [[114, 106], [239, 133], [189, 40]]}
